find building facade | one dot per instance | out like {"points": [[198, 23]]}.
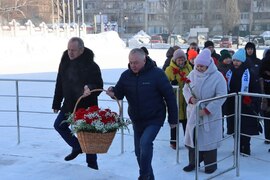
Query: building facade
{"points": [[152, 16]]}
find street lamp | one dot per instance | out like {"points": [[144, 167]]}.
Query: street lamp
{"points": [[126, 23], [100, 17], [78, 12]]}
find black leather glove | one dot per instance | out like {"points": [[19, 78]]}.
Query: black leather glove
{"points": [[174, 82]]}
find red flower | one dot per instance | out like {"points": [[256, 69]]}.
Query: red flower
{"points": [[93, 108], [79, 114], [175, 71], [247, 100], [184, 79], [187, 81], [94, 113]]}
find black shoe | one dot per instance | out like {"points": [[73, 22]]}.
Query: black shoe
{"points": [[147, 177], [73, 155], [173, 146], [268, 150], [267, 142], [210, 171], [189, 168], [245, 150], [93, 166]]}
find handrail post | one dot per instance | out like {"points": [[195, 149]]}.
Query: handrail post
{"points": [[122, 129], [18, 112], [238, 111], [196, 141], [177, 127]]}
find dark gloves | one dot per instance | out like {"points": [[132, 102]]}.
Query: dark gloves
{"points": [[174, 82]]}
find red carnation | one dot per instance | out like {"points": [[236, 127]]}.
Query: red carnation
{"points": [[175, 71], [247, 100], [80, 114]]}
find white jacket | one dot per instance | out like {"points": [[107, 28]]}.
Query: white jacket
{"points": [[208, 84]]}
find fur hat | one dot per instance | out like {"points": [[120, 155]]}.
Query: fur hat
{"points": [[179, 53], [224, 54], [192, 54], [208, 43], [204, 58], [240, 55]]}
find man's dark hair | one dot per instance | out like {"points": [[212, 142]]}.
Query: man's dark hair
{"points": [[193, 44]]}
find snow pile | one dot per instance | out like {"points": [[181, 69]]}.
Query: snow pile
{"points": [[108, 39], [138, 40]]}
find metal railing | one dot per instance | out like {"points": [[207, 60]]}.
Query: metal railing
{"points": [[237, 120], [198, 124], [18, 95]]}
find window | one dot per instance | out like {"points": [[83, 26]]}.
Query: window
{"points": [[185, 4]]}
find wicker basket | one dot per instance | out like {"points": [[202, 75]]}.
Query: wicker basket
{"points": [[93, 143]]}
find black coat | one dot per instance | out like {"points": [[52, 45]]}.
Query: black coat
{"points": [[264, 73], [169, 55], [249, 125], [72, 76], [253, 62]]}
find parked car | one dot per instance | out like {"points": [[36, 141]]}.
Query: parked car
{"points": [[175, 39], [249, 38], [258, 41], [216, 39], [226, 42], [241, 40], [267, 40], [164, 37], [156, 39]]}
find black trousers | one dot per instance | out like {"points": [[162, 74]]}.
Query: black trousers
{"points": [[267, 126], [208, 157], [173, 131]]}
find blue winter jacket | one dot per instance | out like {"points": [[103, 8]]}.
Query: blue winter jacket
{"points": [[147, 92]]}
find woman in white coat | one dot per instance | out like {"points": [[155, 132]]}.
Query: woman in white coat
{"points": [[205, 82]]}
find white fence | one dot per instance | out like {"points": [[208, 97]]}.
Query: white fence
{"points": [[15, 29]]}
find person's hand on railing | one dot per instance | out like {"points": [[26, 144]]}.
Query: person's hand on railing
{"points": [[110, 92], [55, 110]]}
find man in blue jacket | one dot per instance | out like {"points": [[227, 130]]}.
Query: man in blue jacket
{"points": [[148, 92]]}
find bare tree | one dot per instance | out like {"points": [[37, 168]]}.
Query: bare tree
{"points": [[15, 8], [231, 16], [169, 13]]}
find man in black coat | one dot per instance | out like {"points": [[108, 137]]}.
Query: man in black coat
{"points": [[77, 75], [149, 93]]}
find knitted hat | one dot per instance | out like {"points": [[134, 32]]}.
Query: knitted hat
{"points": [[179, 53], [204, 58], [192, 54], [240, 55], [224, 54], [208, 43]]}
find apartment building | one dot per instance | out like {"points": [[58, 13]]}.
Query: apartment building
{"points": [[135, 15], [152, 16]]}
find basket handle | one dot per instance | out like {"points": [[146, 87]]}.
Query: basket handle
{"points": [[96, 90]]}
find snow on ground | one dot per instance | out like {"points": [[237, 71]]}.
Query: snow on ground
{"points": [[41, 151]]}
